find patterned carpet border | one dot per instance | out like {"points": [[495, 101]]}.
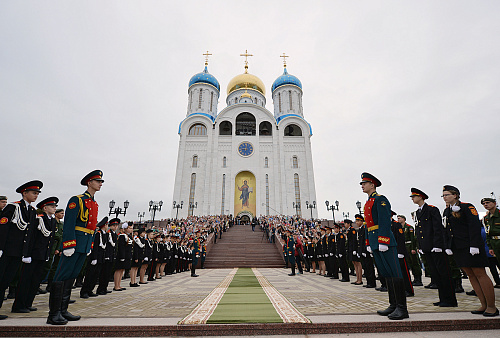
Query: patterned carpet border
{"points": [[206, 308], [285, 309]]}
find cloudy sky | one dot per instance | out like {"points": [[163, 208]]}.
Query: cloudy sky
{"points": [[406, 90]]}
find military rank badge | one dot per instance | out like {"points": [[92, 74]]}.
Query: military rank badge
{"points": [[4, 220], [72, 205]]}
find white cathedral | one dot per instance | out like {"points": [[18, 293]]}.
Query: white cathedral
{"points": [[245, 160]]}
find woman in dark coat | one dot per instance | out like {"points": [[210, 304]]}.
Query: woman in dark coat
{"points": [[465, 241], [123, 254], [137, 257]]}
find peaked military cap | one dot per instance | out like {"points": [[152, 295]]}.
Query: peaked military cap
{"points": [[367, 177], [93, 175], [488, 199], [140, 231], [114, 221], [451, 188], [359, 217], [418, 192], [31, 185], [48, 201], [3, 198], [103, 222], [393, 213]]}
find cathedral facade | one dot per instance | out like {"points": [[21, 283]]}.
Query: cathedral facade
{"points": [[244, 160]]}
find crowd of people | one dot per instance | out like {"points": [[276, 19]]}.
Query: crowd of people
{"points": [[451, 246], [69, 248]]}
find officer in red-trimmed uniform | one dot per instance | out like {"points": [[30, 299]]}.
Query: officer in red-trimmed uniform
{"points": [[80, 220], [16, 224], [380, 241]]}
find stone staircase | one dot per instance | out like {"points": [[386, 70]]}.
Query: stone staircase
{"points": [[240, 247]]}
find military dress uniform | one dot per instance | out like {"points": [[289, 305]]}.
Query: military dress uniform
{"points": [[340, 255], [56, 245], [492, 222], [80, 221], [381, 241], [333, 270], [31, 273], [397, 231], [96, 259], [195, 255], [365, 257], [412, 258], [105, 275], [431, 236], [16, 228]]}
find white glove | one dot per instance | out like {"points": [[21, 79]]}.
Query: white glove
{"points": [[122, 260], [369, 249], [147, 259], [448, 252], [401, 256], [69, 252], [420, 251], [88, 253], [364, 255], [1, 253], [383, 248], [94, 262], [473, 251], [340, 255], [437, 250], [331, 254], [354, 253], [26, 260]]}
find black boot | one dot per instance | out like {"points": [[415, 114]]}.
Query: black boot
{"points": [[401, 311], [79, 282], [458, 285], [417, 281], [193, 272], [392, 299], [68, 285], [55, 317]]}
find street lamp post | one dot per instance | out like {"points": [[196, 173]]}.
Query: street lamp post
{"points": [[153, 207], [141, 216], [358, 205], [345, 215], [178, 206], [193, 206], [118, 211], [296, 206], [333, 208], [311, 206]]}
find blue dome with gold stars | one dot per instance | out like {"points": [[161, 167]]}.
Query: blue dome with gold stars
{"points": [[286, 79], [205, 77]]}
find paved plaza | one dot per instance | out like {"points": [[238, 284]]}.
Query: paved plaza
{"points": [[175, 296]]}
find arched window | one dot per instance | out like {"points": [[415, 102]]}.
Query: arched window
{"points": [[224, 162], [195, 161], [290, 98], [265, 128], [255, 100], [225, 128], [293, 130], [211, 100], [199, 99], [297, 194], [198, 129], [266, 162], [191, 194], [279, 102], [295, 162], [245, 124]]}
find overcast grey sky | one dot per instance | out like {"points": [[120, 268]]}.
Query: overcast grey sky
{"points": [[406, 90]]}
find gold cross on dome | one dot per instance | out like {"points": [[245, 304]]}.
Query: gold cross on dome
{"points": [[207, 54], [284, 56], [246, 55]]}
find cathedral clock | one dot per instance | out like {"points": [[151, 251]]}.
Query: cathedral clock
{"points": [[245, 149]]}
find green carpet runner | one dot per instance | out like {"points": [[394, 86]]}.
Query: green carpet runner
{"points": [[244, 302]]}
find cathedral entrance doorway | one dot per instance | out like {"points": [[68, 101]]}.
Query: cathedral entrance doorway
{"points": [[245, 219]]}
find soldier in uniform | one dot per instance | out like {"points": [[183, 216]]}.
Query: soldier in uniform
{"points": [[352, 251], [38, 252], [492, 223], [397, 231], [55, 251], [411, 247], [16, 227], [467, 245], [290, 250], [80, 221], [96, 259], [381, 242], [3, 203], [340, 251], [124, 246], [196, 249], [109, 257], [365, 256]]}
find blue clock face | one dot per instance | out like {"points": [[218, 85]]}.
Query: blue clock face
{"points": [[245, 149]]}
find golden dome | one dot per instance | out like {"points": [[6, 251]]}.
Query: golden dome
{"points": [[246, 81]]}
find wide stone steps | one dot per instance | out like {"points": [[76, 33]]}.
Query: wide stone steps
{"points": [[240, 247]]}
